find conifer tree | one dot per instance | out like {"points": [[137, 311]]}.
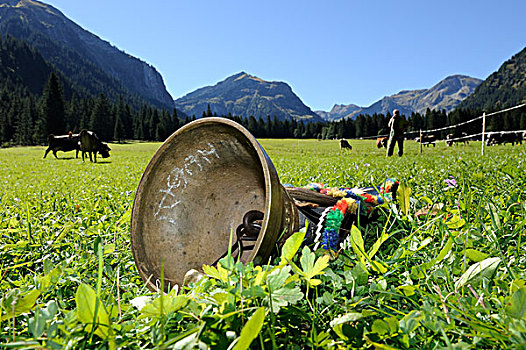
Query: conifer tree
{"points": [[139, 126], [176, 124], [40, 131], [3, 125], [359, 124], [369, 127], [53, 107], [73, 115], [163, 128], [340, 130], [268, 127], [253, 126], [118, 130], [13, 113], [101, 121], [287, 129], [261, 127], [153, 125], [24, 126], [85, 113], [298, 132], [127, 121]]}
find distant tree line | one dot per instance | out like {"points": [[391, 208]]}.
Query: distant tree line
{"points": [[373, 125], [27, 119]]}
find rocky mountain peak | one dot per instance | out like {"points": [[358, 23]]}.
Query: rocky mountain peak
{"points": [[246, 95]]}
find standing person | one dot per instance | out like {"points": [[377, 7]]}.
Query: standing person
{"points": [[397, 124]]}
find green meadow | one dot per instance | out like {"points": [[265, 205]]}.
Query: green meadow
{"points": [[441, 268]]}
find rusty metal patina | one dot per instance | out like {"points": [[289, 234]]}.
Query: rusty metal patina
{"points": [[206, 182]]}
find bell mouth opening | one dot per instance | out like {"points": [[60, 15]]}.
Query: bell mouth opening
{"points": [[195, 193]]}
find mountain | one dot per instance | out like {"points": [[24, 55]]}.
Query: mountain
{"points": [[503, 88], [246, 95], [445, 95], [338, 112], [82, 56]]}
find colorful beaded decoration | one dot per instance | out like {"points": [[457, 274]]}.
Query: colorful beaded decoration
{"points": [[358, 201]]}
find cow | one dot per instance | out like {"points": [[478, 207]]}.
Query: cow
{"points": [[496, 138], [344, 144], [381, 142], [90, 143], [427, 140], [64, 143], [493, 138], [451, 139]]}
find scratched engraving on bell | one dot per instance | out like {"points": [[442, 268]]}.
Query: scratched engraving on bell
{"points": [[177, 180]]}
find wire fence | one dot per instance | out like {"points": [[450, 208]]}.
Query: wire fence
{"points": [[474, 119], [464, 136]]}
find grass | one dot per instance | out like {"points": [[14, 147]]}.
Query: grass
{"points": [[451, 279]]}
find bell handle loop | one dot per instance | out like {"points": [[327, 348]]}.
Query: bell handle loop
{"points": [[251, 227]]}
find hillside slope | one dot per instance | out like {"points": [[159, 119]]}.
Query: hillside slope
{"points": [[79, 54], [503, 88]]}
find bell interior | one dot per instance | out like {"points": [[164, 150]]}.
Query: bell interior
{"points": [[192, 197]]}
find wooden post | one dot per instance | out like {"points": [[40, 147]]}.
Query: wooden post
{"points": [[483, 130], [420, 141]]}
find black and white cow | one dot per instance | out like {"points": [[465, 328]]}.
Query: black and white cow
{"points": [[499, 138], [90, 143], [344, 144]]}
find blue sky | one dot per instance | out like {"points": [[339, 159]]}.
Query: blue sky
{"points": [[330, 52]]}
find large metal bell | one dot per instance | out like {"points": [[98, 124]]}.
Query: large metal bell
{"points": [[209, 180]]}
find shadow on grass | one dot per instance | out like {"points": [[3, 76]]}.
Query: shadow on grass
{"points": [[60, 158], [66, 158]]}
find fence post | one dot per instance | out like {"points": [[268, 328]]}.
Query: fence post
{"points": [[483, 130], [420, 141]]}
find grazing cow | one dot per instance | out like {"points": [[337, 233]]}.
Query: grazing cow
{"points": [[451, 139], [64, 143], [344, 144], [427, 140], [496, 138], [381, 142], [90, 143], [493, 138], [513, 138]]}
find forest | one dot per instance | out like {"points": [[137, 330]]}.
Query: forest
{"points": [[27, 119]]}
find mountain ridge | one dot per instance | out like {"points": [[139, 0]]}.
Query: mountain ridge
{"points": [[246, 95], [446, 94]]}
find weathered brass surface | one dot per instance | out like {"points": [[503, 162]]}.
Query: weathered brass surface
{"points": [[194, 194]]}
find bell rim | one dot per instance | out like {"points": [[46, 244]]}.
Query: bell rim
{"points": [[265, 239]]}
